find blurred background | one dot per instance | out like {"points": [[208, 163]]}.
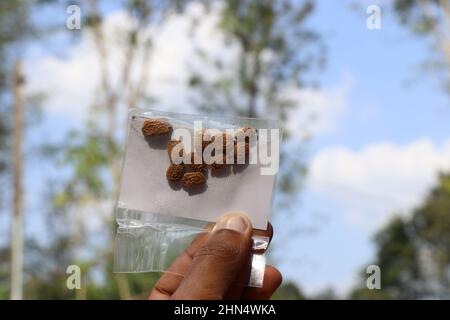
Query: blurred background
{"points": [[362, 88]]}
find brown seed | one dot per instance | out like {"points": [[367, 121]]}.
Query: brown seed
{"points": [[244, 134], [200, 135], [196, 167], [193, 179], [154, 127], [170, 145], [241, 151], [205, 143], [227, 140], [229, 156], [175, 172], [219, 166]]}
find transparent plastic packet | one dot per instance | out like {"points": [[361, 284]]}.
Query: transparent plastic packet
{"points": [[158, 219]]}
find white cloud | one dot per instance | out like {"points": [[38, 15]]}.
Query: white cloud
{"points": [[65, 81], [374, 182], [72, 81], [319, 109]]}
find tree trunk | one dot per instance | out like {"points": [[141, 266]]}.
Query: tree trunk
{"points": [[16, 236]]}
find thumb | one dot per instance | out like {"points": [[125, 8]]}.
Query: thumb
{"points": [[217, 264]]}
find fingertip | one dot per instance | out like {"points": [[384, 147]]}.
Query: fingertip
{"points": [[236, 220], [273, 275]]}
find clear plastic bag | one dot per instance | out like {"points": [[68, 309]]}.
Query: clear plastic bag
{"points": [[158, 220]]}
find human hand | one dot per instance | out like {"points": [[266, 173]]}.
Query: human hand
{"points": [[214, 263]]}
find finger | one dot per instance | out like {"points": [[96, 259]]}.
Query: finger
{"points": [[217, 264], [172, 278], [164, 290], [272, 280], [238, 286], [236, 290]]}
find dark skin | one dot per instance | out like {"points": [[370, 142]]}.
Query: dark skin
{"points": [[215, 266]]}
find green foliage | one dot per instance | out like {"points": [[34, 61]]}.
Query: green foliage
{"points": [[276, 52], [430, 19], [5, 253], [288, 291], [412, 13], [92, 157], [268, 35], [14, 23], [13, 28], [431, 224], [88, 156], [397, 255], [402, 244], [17, 30]]}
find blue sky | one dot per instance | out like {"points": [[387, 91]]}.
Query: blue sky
{"points": [[382, 135], [383, 62], [391, 102]]}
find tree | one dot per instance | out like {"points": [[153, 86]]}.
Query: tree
{"points": [[398, 261], [16, 238], [15, 27], [430, 18], [94, 154], [288, 291], [91, 157], [272, 54], [4, 107], [413, 252]]}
